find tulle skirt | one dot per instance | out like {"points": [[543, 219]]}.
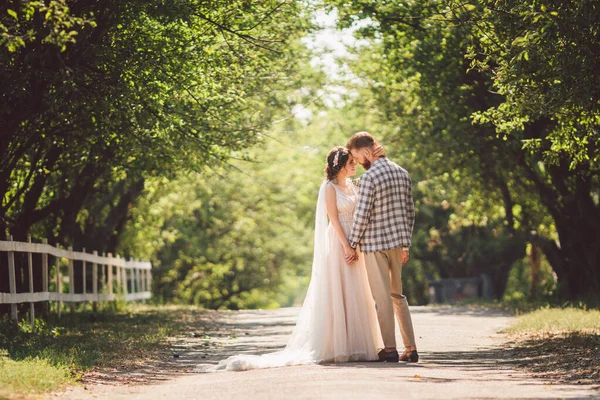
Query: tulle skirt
{"points": [[352, 331], [337, 322]]}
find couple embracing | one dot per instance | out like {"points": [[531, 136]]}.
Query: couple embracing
{"points": [[356, 286]]}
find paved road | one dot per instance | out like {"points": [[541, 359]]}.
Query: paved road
{"points": [[461, 358]]}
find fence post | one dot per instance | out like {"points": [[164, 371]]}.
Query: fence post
{"points": [[45, 278], [30, 270], [110, 275], [142, 283], [103, 273], [138, 281], [95, 284], [134, 288], [12, 281], [143, 279], [149, 279], [58, 284], [71, 281], [84, 265], [118, 274], [125, 279]]}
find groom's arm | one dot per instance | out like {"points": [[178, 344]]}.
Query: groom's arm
{"points": [[366, 198], [410, 213], [410, 207]]}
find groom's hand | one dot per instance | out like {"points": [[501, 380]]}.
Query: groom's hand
{"points": [[404, 256], [379, 151]]}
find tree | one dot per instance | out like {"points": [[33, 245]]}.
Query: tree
{"points": [[544, 56], [239, 236], [147, 87], [98, 97], [455, 80]]}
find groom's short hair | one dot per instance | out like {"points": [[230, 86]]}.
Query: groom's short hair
{"points": [[360, 140]]}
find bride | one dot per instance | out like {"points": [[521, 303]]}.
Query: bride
{"points": [[338, 321]]}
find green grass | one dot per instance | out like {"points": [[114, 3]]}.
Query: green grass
{"points": [[59, 351], [558, 344], [558, 319], [518, 305], [30, 376]]}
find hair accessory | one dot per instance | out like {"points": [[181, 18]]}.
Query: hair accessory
{"points": [[336, 158]]}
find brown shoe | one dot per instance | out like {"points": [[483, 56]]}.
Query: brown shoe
{"points": [[410, 356], [388, 356]]}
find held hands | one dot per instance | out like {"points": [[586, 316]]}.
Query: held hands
{"points": [[350, 255]]}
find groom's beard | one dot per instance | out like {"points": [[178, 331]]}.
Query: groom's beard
{"points": [[366, 165]]}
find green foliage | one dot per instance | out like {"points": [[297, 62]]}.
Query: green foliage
{"points": [[146, 90], [518, 287], [494, 105], [444, 251], [148, 127], [239, 236], [56, 26], [543, 55], [242, 237]]}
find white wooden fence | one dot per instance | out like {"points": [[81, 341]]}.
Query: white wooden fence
{"points": [[132, 279]]}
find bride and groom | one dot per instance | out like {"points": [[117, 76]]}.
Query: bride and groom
{"points": [[356, 286]]}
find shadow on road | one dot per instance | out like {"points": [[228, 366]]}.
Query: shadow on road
{"points": [[471, 311], [215, 336], [485, 364]]}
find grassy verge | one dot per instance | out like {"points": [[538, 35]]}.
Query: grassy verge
{"points": [[523, 305], [558, 344], [31, 376], [60, 351], [559, 320]]}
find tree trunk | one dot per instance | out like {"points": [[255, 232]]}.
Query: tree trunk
{"points": [[103, 234], [582, 254], [534, 263]]}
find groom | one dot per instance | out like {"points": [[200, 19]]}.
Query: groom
{"points": [[382, 227]]}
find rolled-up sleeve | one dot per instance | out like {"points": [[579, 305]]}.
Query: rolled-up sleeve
{"points": [[366, 198]]}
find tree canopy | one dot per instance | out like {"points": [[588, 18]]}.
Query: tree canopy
{"points": [[97, 97], [171, 130], [500, 100]]}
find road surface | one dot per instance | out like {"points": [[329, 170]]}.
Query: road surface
{"points": [[461, 353]]}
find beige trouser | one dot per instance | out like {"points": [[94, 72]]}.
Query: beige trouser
{"points": [[384, 269]]}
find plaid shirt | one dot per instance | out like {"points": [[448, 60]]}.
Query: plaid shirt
{"points": [[385, 212]]}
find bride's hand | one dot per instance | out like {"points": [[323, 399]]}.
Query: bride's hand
{"points": [[378, 150], [350, 255]]}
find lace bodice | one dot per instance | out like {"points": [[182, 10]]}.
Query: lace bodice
{"points": [[346, 202]]}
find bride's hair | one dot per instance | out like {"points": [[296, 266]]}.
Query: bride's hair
{"points": [[336, 160]]}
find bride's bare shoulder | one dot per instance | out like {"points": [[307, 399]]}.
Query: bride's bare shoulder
{"points": [[330, 190]]}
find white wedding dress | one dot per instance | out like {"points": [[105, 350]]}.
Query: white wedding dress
{"points": [[338, 320]]}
